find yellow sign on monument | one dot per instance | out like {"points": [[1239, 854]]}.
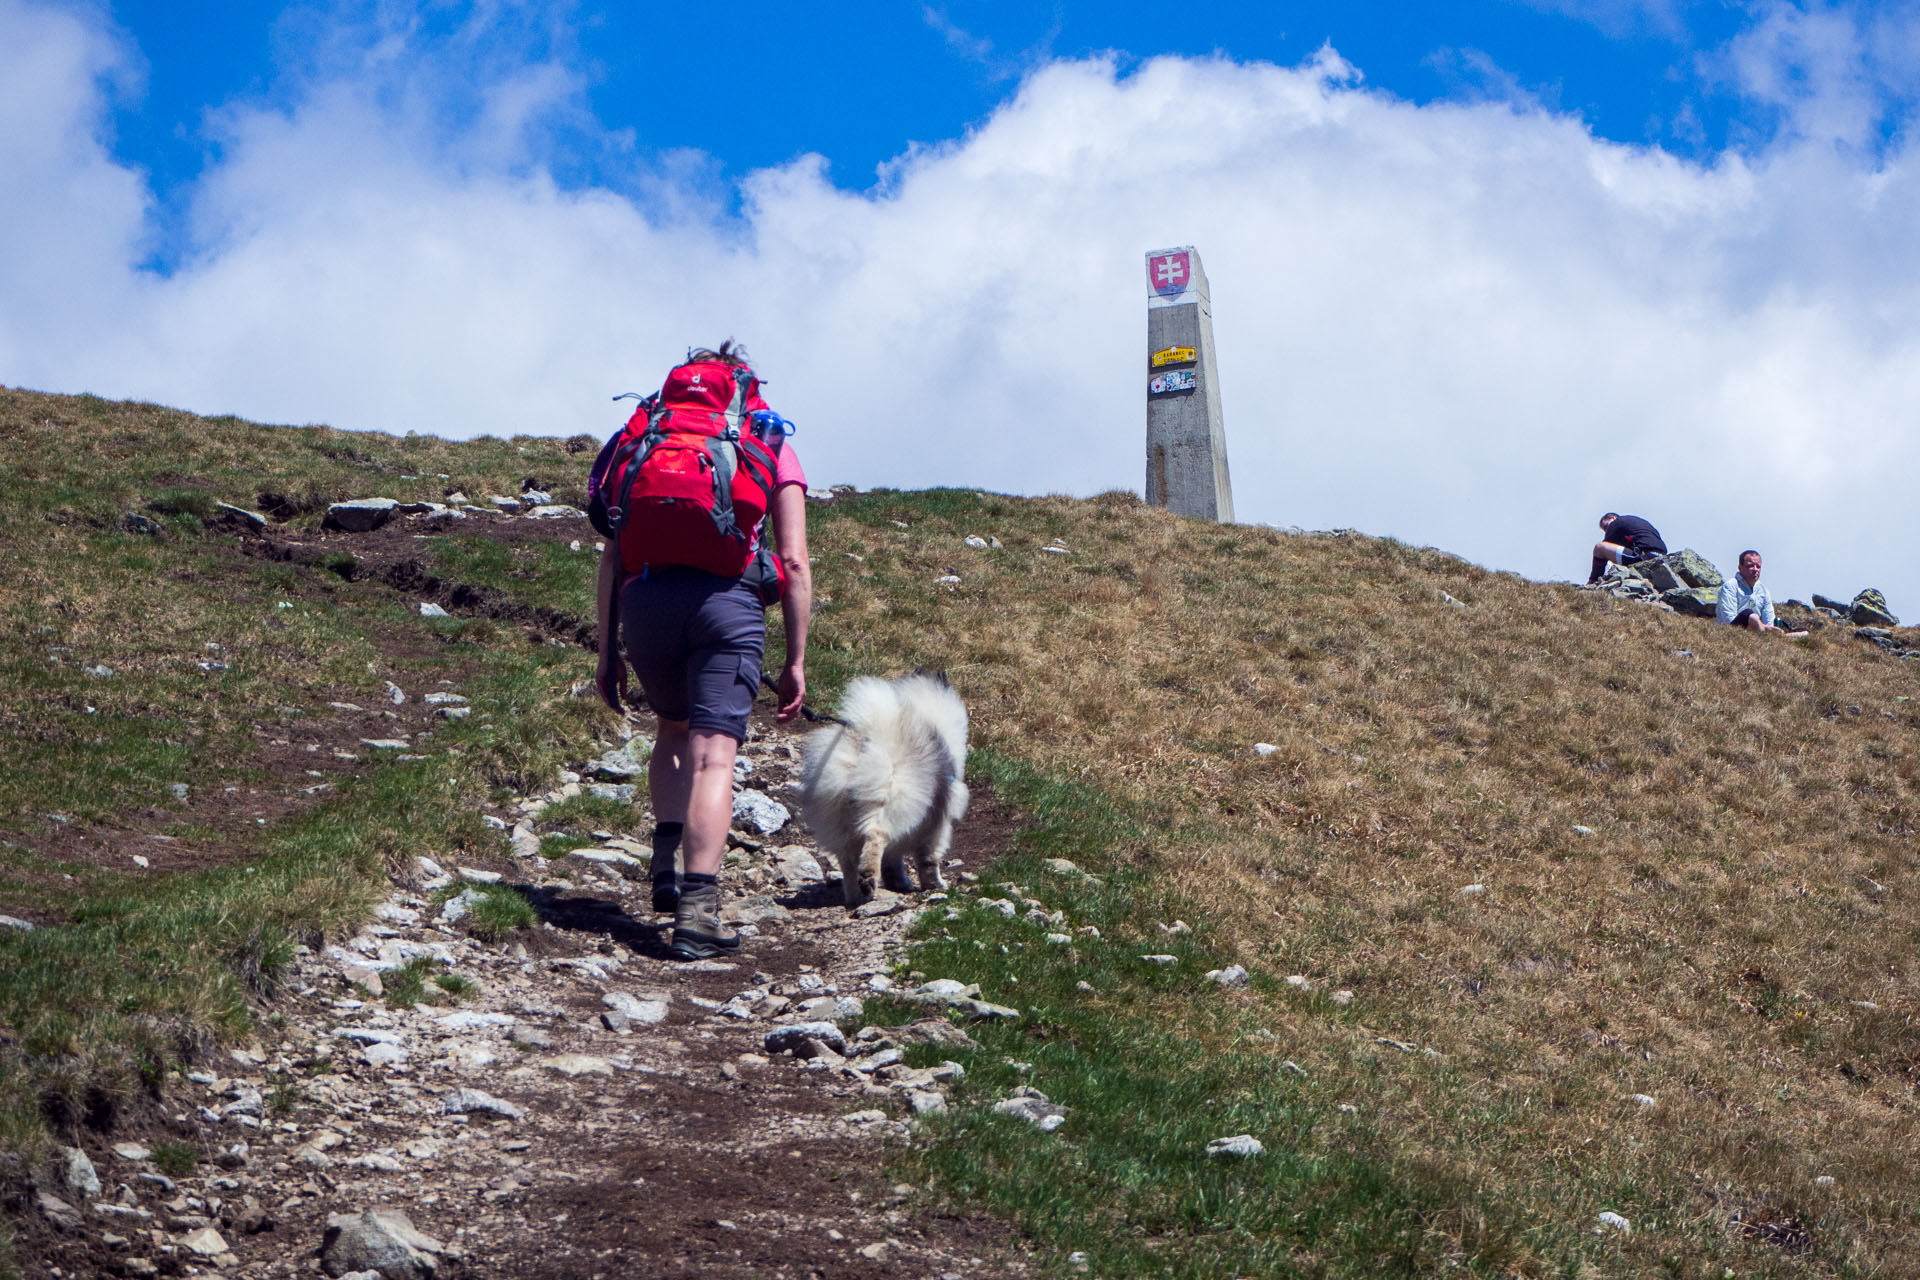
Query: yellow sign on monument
{"points": [[1173, 355]]}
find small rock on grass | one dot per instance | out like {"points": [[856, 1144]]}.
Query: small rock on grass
{"points": [[1034, 1107], [1613, 1221], [1240, 1144], [1231, 976], [925, 1102]]}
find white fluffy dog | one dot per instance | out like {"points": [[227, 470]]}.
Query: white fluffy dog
{"points": [[888, 779]]}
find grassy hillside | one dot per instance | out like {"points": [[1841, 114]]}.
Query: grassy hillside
{"points": [[1566, 854]]}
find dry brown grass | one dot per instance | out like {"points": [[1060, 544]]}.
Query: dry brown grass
{"points": [[1748, 882]]}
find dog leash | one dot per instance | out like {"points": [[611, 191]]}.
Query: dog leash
{"points": [[813, 716]]}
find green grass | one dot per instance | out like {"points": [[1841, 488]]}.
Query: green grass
{"points": [[175, 1159], [1153, 1064], [589, 812], [500, 910]]}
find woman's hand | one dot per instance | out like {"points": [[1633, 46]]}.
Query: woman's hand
{"points": [[791, 689]]}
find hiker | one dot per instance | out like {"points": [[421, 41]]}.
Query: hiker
{"points": [[690, 619], [1626, 540], [1745, 603]]}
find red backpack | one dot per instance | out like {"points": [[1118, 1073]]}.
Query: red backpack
{"points": [[690, 478]]}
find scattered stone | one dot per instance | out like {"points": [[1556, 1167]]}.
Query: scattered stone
{"points": [[382, 1241], [476, 1101], [1473, 890], [458, 907], [58, 1211], [1176, 929], [622, 765], [428, 609], [555, 511], [362, 515], [444, 699], [926, 1103], [1869, 609], [1231, 976], [1299, 982], [796, 866], [478, 876], [1824, 1180], [1264, 749], [1613, 1221], [574, 1065], [1582, 831], [9, 922], [468, 1021], [1061, 867], [801, 1038], [1642, 1099], [81, 1178], [760, 812], [934, 1031], [206, 1242], [618, 792], [386, 744], [1240, 1144], [131, 1151], [1160, 959], [634, 1009], [975, 541], [384, 1055], [881, 904]]}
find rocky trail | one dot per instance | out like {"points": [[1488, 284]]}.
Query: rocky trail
{"points": [[573, 1103]]}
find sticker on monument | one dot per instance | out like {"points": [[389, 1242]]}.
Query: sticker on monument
{"points": [[1163, 384], [1173, 355], [1170, 274]]}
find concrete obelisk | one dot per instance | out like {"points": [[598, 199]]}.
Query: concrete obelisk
{"points": [[1186, 436]]}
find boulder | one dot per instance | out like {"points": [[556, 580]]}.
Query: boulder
{"points": [[1683, 568], [1869, 609], [362, 515], [379, 1240], [1831, 607], [1696, 602]]}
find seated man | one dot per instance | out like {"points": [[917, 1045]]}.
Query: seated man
{"points": [[1628, 538], [1745, 603]]}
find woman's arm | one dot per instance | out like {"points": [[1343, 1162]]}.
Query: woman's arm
{"points": [[796, 606]]}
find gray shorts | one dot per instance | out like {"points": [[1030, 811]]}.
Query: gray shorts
{"points": [[695, 641]]}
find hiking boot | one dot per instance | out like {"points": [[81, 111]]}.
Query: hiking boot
{"points": [[697, 931], [666, 885]]}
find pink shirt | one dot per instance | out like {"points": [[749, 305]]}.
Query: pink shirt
{"points": [[786, 468]]}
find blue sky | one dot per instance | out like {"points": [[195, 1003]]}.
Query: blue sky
{"points": [[878, 77], [1480, 271]]}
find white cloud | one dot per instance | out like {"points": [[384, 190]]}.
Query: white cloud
{"points": [[1474, 326]]}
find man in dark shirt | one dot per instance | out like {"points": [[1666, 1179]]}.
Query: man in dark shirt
{"points": [[1625, 539]]}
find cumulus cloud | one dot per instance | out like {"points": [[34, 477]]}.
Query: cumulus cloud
{"points": [[1471, 325]]}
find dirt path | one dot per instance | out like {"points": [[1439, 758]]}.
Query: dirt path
{"points": [[666, 1141]]}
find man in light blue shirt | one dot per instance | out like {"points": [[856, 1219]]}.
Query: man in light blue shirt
{"points": [[1744, 602]]}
